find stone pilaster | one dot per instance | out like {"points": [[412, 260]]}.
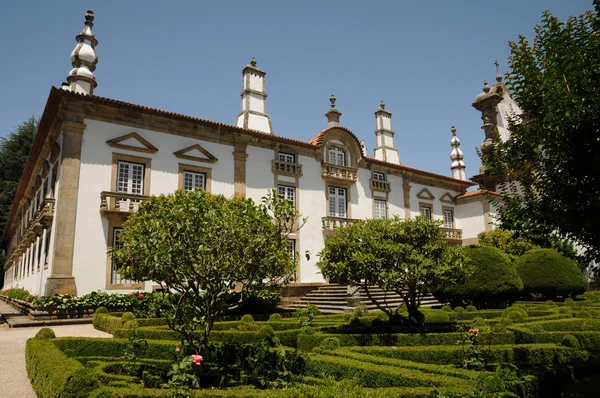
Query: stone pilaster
{"points": [[239, 176], [61, 279], [406, 197]]}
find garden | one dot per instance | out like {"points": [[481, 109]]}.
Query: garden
{"points": [[514, 323]]}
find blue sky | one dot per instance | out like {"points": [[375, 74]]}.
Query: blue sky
{"points": [[426, 59]]}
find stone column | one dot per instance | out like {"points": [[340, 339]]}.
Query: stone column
{"points": [[61, 279]]}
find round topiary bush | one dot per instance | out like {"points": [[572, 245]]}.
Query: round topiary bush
{"points": [[266, 331], [584, 314], [493, 284], [570, 341], [275, 318], [132, 324], [45, 334], [570, 302], [101, 310], [330, 344], [436, 316], [546, 272], [128, 316], [550, 303], [499, 328], [446, 308], [516, 316], [471, 308], [459, 310], [247, 318]]}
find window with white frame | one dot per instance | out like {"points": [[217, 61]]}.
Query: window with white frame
{"points": [[426, 211], [286, 192], [290, 247], [115, 277], [448, 219], [378, 176], [380, 209], [193, 180], [337, 156], [130, 178], [337, 202], [287, 157]]}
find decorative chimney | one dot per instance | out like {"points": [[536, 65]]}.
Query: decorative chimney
{"points": [[384, 136], [81, 79], [458, 166], [254, 100], [333, 116]]}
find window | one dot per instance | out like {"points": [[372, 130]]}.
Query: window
{"points": [[337, 156], [290, 247], [426, 211], [115, 277], [286, 192], [39, 252], [448, 219], [130, 178], [287, 157], [193, 180], [380, 209], [378, 176], [337, 202], [47, 249]]}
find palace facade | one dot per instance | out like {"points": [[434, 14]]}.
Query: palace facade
{"points": [[95, 160]]}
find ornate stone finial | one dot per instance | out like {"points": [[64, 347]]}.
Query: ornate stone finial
{"points": [[333, 115], [382, 105], [453, 129], [458, 165], [486, 87], [498, 75], [81, 79], [332, 99], [253, 61]]}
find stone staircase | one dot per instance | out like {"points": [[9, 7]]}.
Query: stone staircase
{"points": [[337, 299]]}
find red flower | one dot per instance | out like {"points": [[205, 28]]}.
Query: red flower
{"points": [[141, 296], [197, 359], [177, 349]]}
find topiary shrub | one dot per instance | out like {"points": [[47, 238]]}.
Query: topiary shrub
{"points": [[481, 324], [275, 318], [127, 316], [132, 324], [516, 316], [493, 284], [45, 334], [471, 308], [591, 325], [459, 310], [546, 272], [550, 303], [499, 328], [266, 331], [570, 302], [101, 310], [436, 316], [570, 341], [446, 308], [247, 318], [584, 314], [330, 344]]}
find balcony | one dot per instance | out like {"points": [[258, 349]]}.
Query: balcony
{"points": [[42, 219], [381, 186], [330, 224], [340, 175], [119, 204], [287, 169], [452, 235]]}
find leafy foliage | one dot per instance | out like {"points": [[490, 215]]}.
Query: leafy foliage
{"points": [[200, 247], [553, 152], [546, 272], [507, 241], [494, 282], [408, 257]]}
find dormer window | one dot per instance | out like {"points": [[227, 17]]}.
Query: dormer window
{"points": [[336, 156]]}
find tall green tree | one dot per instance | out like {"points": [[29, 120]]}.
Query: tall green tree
{"points": [[202, 248], [408, 257], [14, 151], [553, 153]]}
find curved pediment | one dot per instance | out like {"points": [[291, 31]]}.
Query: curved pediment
{"points": [[339, 136]]}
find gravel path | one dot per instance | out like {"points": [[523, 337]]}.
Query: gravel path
{"points": [[13, 376]]}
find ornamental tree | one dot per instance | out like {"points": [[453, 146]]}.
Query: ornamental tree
{"points": [[553, 152], [408, 257], [200, 247]]}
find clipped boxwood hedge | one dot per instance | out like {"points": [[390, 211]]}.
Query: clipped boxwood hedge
{"points": [[494, 283], [546, 272]]}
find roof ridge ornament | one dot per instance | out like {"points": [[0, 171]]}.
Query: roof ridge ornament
{"points": [[81, 79], [498, 75]]}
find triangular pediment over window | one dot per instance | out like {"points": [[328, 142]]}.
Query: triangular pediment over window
{"points": [[132, 142], [447, 198], [425, 194], [196, 153]]}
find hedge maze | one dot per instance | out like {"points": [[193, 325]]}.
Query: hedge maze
{"points": [[338, 355]]}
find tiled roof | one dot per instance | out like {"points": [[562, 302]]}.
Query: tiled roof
{"points": [[478, 192], [317, 140]]}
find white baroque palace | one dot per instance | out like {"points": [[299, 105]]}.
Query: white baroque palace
{"points": [[95, 159]]}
